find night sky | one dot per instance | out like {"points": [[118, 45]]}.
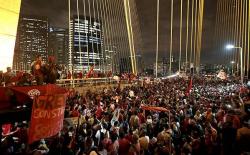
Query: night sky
{"points": [[57, 11]]}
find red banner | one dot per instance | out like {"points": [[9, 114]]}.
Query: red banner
{"points": [[26, 94], [47, 116], [153, 108], [39, 90]]}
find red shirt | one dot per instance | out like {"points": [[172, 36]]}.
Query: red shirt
{"points": [[75, 113], [98, 113], [123, 146], [141, 118], [129, 137]]}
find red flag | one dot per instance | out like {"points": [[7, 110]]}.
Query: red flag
{"points": [[153, 108], [69, 75], [6, 129], [189, 87], [90, 71], [47, 116], [109, 74]]}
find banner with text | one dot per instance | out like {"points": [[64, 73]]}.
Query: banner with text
{"points": [[25, 94], [47, 116]]}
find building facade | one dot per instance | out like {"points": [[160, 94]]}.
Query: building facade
{"points": [[31, 40], [59, 45], [86, 37]]}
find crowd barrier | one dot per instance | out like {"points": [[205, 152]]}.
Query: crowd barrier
{"points": [[87, 82]]}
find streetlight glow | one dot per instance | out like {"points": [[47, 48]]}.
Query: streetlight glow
{"points": [[230, 47], [241, 60]]}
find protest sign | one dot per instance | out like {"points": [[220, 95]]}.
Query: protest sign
{"points": [[47, 116]]}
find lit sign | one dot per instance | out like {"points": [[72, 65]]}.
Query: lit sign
{"points": [[9, 15]]}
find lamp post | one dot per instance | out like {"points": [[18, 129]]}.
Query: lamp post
{"points": [[109, 58], [112, 54], [232, 62], [241, 61]]}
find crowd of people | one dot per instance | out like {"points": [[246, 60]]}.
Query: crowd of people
{"points": [[40, 73], [210, 120]]}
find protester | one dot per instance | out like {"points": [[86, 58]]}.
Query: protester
{"points": [[37, 69], [243, 136], [7, 76], [51, 71], [1, 78]]}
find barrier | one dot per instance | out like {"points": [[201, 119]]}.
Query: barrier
{"points": [[87, 82]]}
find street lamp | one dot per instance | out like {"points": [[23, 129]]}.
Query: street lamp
{"points": [[230, 47], [112, 54], [232, 62], [109, 59], [241, 60]]}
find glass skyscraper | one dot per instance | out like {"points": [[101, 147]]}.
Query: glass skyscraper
{"points": [[87, 43], [32, 39]]}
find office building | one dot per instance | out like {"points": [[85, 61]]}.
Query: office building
{"points": [[125, 65], [86, 38], [31, 40], [58, 45]]}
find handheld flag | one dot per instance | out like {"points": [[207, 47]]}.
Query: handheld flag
{"points": [[189, 87], [90, 71]]}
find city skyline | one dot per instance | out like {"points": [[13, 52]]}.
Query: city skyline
{"points": [[147, 23], [211, 51]]}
